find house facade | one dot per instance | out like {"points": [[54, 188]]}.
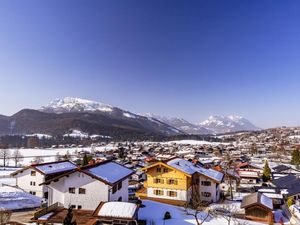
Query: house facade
{"points": [[174, 180], [87, 186], [30, 178]]}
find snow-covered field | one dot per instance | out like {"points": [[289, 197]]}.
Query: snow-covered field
{"points": [[4, 176], [154, 212], [49, 155]]}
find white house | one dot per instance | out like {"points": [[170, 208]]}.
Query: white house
{"points": [[30, 177], [85, 187]]}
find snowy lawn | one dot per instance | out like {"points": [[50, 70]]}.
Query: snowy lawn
{"points": [[154, 212]]}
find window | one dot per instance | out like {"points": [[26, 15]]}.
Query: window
{"points": [[158, 170], [158, 181], [119, 185], [206, 194], [32, 183], [73, 206], [158, 192], [81, 191], [115, 188], [172, 181], [79, 207], [33, 173], [172, 193], [32, 192], [72, 190], [205, 183], [166, 170]]}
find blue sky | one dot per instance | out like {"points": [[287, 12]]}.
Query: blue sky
{"points": [[189, 59]]}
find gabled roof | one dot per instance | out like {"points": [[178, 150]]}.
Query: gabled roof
{"points": [[281, 168], [107, 171], [257, 198], [290, 182], [190, 168], [49, 168], [110, 171], [55, 167]]}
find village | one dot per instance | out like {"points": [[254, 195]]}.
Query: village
{"points": [[245, 178]]}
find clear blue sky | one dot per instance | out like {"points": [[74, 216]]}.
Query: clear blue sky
{"points": [[178, 58]]}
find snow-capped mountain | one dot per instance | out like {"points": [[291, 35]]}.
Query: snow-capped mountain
{"points": [[107, 115], [180, 124], [225, 124], [95, 118], [70, 104]]}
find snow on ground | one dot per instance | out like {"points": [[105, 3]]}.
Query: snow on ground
{"points": [[129, 115], [294, 137], [194, 142], [49, 154], [13, 199], [4, 176], [8, 181], [40, 136], [77, 134], [154, 212]]}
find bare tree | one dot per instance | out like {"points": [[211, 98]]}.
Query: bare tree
{"points": [[58, 157], [4, 155], [17, 156], [38, 159], [196, 207], [226, 212], [4, 216], [67, 156]]}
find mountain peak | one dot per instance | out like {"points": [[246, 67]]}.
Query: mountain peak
{"points": [[224, 124], [72, 104]]}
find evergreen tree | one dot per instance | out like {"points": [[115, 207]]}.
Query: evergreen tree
{"points": [[266, 172], [69, 217], [296, 158], [85, 160]]}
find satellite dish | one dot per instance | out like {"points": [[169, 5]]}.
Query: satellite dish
{"points": [[224, 187]]}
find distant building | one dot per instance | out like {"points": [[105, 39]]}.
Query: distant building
{"points": [[174, 179]]}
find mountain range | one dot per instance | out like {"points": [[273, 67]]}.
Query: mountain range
{"points": [[61, 116]]}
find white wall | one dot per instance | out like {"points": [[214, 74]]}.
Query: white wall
{"points": [[123, 192], [181, 194], [96, 191], [23, 181], [215, 191]]}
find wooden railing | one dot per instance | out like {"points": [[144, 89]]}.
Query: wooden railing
{"points": [[46, 210]]}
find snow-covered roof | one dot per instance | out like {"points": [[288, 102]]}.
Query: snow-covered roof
{"points": [[55, 167], [118, 209], [218, 176], [182, 165], [266, 201], [190, 168], [110, 172], [257, 198]]}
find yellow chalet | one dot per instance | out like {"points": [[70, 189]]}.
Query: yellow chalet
{"points": [[175, 178]]}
